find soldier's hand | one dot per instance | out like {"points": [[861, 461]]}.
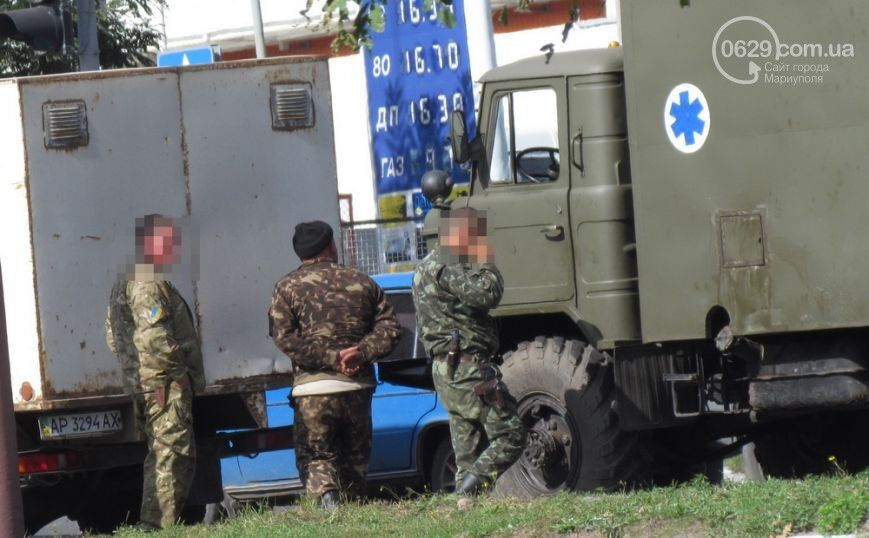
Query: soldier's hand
{"points": [[481, 251], [349, 361]]}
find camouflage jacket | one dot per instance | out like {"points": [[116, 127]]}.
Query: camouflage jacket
{"points": [[150, 328], [323, 307], [456, 295]]}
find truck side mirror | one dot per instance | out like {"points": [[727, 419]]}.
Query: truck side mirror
{"points": [[459, 137]]}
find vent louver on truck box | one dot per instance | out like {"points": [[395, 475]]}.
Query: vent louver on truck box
{"points": [[65, 124], [292, 106]]}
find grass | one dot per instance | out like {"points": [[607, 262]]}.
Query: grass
{"points": [[831, 504]]}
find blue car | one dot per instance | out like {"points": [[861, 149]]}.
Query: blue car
{"points": [[411, 441]]}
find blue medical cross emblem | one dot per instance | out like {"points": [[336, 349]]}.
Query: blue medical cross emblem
{"points": [[687, 115]]}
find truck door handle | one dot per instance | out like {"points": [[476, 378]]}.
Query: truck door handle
{"points": [[553, 231]]}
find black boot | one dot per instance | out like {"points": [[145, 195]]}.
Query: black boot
{"points": [[471, 485], [330, 500]]}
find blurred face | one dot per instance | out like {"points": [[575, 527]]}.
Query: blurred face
{"points": [[159, 244], [458, 234], [464, 235]]}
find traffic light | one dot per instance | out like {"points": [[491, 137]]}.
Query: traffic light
{"points": [[46, 26]]}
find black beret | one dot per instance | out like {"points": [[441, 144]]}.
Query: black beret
{"points": [[311, 238]]}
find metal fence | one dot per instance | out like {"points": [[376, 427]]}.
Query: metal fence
{"points": [[383, 246]]}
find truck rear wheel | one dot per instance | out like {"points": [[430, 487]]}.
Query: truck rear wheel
{"points": [[816, 445], [565, 390]]}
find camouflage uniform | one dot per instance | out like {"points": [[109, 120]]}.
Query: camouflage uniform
{"points": [[333, 441], [456, 295], [150, 328], [318, 310]]}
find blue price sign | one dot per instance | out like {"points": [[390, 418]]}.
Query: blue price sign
{"points": [[418, 73]]}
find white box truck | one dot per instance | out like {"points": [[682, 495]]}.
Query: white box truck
{"points": [[243, 151]]}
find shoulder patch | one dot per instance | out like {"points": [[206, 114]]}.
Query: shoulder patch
{"points": [[156, 313]]}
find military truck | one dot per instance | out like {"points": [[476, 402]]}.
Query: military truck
{"points": [[240, 152], [681, 227]]}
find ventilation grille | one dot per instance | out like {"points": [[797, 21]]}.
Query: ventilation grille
{"points": [[292, 107], [65, 124]]}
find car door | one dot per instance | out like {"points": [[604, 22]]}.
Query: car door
{"points": [[397, 409], [264, 467]]}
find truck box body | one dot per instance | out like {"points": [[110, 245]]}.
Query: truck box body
{"points": [[245, 150], [768, 217]]}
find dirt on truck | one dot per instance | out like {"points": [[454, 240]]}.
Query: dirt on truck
{"points": [[238, 153], [681, 227]]}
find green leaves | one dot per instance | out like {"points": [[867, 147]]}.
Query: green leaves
{"points": [[124, 32], [447, 17], [377, 16], [370, 17]]}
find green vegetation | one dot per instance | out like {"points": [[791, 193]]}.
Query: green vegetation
{"points": [[834, 505], [125, 30]]}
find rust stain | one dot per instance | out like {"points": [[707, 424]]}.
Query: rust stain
{"points": [[146, 71], [41, 343], [102, 383], [73, 401], [185, 152], [94, 237]]}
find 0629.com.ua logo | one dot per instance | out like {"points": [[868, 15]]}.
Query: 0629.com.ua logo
{"points": [[763, 57]]}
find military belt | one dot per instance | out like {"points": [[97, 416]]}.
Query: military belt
{"points": [[464, 357]]}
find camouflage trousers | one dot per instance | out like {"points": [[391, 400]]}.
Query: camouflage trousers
{"points": [[167, 421], [486, 440], [333, 441]]}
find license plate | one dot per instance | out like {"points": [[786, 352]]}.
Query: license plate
{"points": [[80, 424]]}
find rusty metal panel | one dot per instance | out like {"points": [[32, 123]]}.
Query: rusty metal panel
{"points": [[749, 171], [184, 142], [249, 186], [84, 202]]}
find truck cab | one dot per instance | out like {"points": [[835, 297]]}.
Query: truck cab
{"points": [[672, 277]]}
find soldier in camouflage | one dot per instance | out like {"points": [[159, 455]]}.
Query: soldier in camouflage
{"points": [[150, 328], [454, 288], [333, 322]]}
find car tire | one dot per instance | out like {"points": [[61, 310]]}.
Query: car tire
{"points": [[566, 394], [217, 512], [443, 467]]}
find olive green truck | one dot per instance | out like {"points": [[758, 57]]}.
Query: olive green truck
{"points": [[682, 227]]}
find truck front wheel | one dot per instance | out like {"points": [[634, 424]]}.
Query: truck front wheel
{"points": [[566, 396]]}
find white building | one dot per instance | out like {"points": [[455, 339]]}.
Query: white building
{"points": [[290, 30]]}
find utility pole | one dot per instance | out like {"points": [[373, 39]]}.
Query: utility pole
{"points": [[258, 35], [11, 507], [88, 45], [481, 42]]}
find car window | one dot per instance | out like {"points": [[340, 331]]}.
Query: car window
{"points": [[407, 347], [524, 147]]}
